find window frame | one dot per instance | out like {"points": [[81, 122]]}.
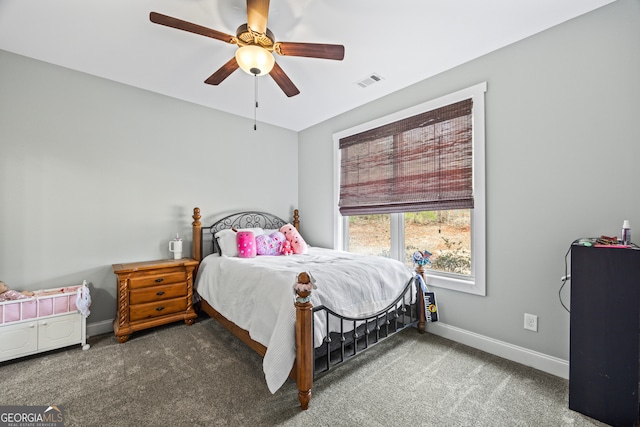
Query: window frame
{"points": [[476, 282]]}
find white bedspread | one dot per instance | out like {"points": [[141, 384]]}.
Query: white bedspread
{"points": [[257, 295]]}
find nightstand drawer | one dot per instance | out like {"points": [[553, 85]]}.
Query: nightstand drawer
{"points": [[157, 293], [158, 278], [156, 309]]}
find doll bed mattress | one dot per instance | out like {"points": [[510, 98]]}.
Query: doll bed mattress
{"points": [[257, 295], [45, 302]]}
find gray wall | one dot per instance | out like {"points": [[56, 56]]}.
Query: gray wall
{"points": [[562, 152], [94, 172]]}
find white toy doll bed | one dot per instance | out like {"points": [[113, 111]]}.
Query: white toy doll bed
{"points": [[50, 319]]}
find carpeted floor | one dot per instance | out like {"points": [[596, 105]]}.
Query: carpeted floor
{"points": [[200, 375]]}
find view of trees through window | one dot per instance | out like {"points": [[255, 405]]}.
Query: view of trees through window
{"points": [[446, 234]]}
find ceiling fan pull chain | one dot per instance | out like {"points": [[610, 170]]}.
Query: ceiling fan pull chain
{"points": [[255, 109]]}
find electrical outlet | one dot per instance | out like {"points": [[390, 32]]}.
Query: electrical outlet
{"points": [[531, 322]]}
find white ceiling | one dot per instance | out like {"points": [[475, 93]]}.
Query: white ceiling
{"points": [[404, 41]]}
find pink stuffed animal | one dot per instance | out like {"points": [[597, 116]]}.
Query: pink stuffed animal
{"points": [[246, 244], [298, 244], [285, 248], [271, 244]]}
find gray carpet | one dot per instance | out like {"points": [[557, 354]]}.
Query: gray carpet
{"points": [[200, 375]]}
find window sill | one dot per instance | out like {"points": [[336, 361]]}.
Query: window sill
{"points": [[459, 283]]}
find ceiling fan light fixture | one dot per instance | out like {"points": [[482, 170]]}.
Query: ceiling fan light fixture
{"points": [[255, 60]]}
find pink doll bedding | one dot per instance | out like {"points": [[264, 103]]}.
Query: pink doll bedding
{"points": [[42, 303]]}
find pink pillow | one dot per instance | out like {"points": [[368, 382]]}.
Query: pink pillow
{"points": [[297, 242], [246, 244], [271, 244]]}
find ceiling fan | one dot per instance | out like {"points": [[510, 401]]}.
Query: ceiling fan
{"points": [[256, 45]]}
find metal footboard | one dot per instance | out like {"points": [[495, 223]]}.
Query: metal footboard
{"points": [[350, 336]]}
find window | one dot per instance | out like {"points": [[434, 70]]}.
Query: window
{"points": [[414, 180], [446, 234]]}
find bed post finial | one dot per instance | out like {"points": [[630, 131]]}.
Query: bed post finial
{"points": [[296, 219], [196, 216], [196, 251]]}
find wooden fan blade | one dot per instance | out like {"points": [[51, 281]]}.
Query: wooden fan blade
{"points": [[311, 50], [283, 81], [257, 15], [223, 72], [179, 24]]}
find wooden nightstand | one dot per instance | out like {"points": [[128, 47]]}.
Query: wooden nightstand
{"points": [[153, 293]]}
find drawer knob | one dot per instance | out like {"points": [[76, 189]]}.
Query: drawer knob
{"points": [[159, 308], [160, 279], [160, 293]]}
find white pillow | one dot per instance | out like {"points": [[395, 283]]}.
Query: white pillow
{"points": [[227, 240]]}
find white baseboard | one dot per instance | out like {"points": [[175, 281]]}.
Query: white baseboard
{"points": [[99, 328], [524, 356]]}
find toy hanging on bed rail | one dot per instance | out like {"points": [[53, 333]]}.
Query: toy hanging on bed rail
{"points": [[430, 306], [305, 283], [422, 258]]}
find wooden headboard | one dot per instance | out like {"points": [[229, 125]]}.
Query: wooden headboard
{"points": [[204, 242]]}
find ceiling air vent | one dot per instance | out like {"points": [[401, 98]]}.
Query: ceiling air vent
{"points": [[369, 80]]}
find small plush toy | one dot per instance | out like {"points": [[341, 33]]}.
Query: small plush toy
{"points": [[297, 242], [3, 287], [285, 248], [304, 279], [305, 283], [83, 299], [422, 258]]}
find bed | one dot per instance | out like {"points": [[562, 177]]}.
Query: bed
{"points": [[358, 302]]}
